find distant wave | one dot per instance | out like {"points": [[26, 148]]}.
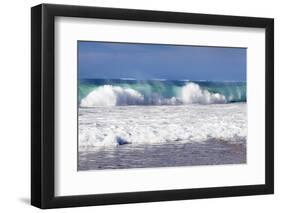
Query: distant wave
{"points": [[160, 93]]}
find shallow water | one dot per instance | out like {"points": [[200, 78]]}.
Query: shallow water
{"points": [[162, 155], [99, 126], [162, 136]]}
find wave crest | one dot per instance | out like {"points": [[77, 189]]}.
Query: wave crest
{"points": [[108, 95], [191, 93]]}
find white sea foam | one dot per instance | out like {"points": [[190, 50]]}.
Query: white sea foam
{"points": [[106, 126], [192, 93], [108, 95]]}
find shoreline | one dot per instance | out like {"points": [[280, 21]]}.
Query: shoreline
{"points": [[162, 155]]}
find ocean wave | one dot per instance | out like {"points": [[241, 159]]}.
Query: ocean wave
{"points": [[192, 94], [108, 95], [162, 94]]}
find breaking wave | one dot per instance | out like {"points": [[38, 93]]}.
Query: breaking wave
{"points": [[162, 94], [192, 94], [108, 95]]}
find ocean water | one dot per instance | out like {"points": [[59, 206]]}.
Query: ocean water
{"points": [[142, 124], [121, 92]]}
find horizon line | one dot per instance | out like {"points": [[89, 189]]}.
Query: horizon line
{"points": [[160, 79]]}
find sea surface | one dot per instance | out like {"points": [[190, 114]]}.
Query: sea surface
{"points": [[126, 123]]}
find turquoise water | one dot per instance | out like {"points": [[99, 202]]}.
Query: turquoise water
{"points": [[156, 92]]}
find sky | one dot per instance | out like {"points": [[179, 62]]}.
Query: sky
{"points": [[108, 60]]}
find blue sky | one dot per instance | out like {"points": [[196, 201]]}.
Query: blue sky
{"points": [[107, 60]]}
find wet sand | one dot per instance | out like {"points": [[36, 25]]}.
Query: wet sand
{"points": [[212, 152]]}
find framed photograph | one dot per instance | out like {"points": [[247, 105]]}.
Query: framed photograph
{"points": [[139, 106]]}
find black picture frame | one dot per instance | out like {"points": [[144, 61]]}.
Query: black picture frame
{"points": [[43, 102]]}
